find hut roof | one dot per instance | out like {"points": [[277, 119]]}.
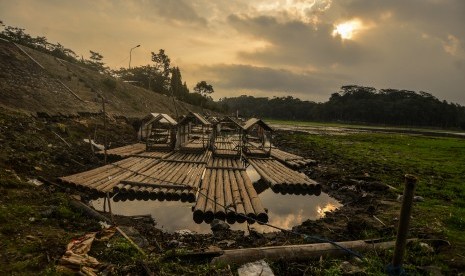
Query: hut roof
{"points": [[160, 117], [253, 121], [230, 119], [197, 116]]}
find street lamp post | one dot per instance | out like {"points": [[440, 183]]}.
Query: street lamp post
{"points": [[130, 53]]}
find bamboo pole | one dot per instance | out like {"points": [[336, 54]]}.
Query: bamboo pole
{"points": [[249, 211], [264, 175], [228, 199], [113, 177], [220, 212], [201, 199], [297, 252], [260, 212], [238, 203], [210, 204]]}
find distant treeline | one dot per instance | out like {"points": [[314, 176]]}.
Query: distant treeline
{"points": [[357, 104]]}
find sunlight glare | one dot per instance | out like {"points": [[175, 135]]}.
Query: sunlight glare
{"points": [[327, 208], [348, 29]]}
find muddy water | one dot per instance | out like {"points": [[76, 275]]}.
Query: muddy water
{"points": [[284, 211]]}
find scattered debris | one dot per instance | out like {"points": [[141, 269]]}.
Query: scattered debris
{"points": [[259, 268], [76, 258], [97, 146], [35, 182]]}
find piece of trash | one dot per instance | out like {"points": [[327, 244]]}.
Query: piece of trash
{"points": [[98, 146], [184, 232], [35, 182], [106, 234], [255, 269], [76, 258], [32, 219], [104, 224], [37, 168]]}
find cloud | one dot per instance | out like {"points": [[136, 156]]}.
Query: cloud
{"points": [[297, 43], [269, 81], [176, 11]]}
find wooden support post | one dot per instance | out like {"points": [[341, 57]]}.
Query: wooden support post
{"points": [[395, 268], [109, 208], [104, 131]]}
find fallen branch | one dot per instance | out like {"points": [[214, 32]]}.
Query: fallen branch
{"points": [[298, 252]]}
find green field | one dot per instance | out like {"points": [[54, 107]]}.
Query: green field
{"points": [[438, 162]]}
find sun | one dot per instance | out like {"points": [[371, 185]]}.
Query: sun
{"points": [[347, 30]]}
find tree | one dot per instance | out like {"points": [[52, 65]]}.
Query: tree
{"points": [[204, 89], [178, 89], [161, 73], [95, 61]]}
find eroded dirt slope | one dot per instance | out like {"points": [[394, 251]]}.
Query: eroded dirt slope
{"points": [[55, 86]]}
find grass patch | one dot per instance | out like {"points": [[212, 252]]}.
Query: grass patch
{"points": [[438, 162]]}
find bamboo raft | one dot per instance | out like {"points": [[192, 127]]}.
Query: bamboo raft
{"points": [[281, 178], [225, 147], [226, 184], [124, 151], [103, 179], [291, 160], [195, 145], [154, 154], [176, 177]]}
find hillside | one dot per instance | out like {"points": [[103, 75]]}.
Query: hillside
{"points": [[34, 82]]}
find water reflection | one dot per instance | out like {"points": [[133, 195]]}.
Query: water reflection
{"points": [[284, 211]]}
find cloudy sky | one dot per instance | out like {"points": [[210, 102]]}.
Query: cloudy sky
{"points": [[307, 49]]}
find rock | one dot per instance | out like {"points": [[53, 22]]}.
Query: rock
{"points": [[219, 225], [350, 269], [418, 198], [174, 244], [226, 243], [255, 269], [426, 247]]}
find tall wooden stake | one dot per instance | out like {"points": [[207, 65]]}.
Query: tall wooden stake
{"points": [[396, 266], [104, 131]]}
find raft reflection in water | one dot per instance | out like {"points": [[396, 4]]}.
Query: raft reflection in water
{"points": [[284, 211]]}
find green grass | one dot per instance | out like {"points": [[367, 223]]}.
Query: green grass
{"points": [[439, 164]]}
